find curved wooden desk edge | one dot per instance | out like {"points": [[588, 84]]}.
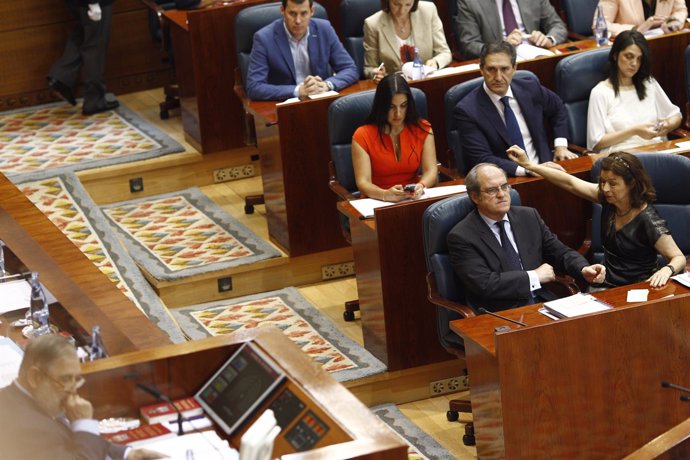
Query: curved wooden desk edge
{"points": [[663, 443]]}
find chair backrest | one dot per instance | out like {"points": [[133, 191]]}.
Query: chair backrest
{"points": [[352, 14], [250, 20], [345, 115], [670, 175], [576, 75], [451, 99], [687, 72], [579, 15], [438, 220]]}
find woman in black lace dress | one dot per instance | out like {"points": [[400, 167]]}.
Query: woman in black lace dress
{"points": [[632, 231]]}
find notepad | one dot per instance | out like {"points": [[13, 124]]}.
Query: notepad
{"points": [[576, 305]]}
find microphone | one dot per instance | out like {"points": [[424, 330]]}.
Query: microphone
{"points": [[484, 310], [684, 398], [160, 396]]}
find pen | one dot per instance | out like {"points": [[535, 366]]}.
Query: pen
{"points": [[379, 67]]}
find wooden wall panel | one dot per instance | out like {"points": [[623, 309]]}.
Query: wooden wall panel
{"points": [[32, 37]]}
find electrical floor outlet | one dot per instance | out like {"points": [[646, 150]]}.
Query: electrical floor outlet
{"points": [[329, 272], [233, 173], [449, 385]]}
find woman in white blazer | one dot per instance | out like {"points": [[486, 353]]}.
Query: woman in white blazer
{"points": [[622, 15], [391, 35]]}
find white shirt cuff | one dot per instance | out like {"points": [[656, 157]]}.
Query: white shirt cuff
{"points": [[534, 283], [295, 92], [520, 171], [560, 142], [88, 425]]}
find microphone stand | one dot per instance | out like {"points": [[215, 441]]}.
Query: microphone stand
{"points": [[160, 396]]}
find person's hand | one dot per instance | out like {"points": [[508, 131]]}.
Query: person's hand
{"points": [[515, 37], [518, 155], [77, 408], [396, 194], [312, 85], [647, 130], [94, 12], [562, 153], [537, 38], [379, 73], [144, 454], [432, 63], [418, 190], [671, 24], [651, 22], [660, 277], [551, 164], [594, 274], [545, 273], [662, 127]]}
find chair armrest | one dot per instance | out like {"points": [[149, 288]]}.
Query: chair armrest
{"points": [[436, 299], [586, 246], [336, 187], [574, 36], [678, 133], [563, 286], [578, 149], [447, 173]]}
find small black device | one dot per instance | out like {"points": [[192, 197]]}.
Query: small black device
{"points": [[572, 48], [410, 187]]}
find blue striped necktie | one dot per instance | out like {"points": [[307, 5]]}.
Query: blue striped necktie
{"points": [[512, 125]]}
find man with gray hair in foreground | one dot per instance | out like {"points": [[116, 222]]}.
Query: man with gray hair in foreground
{"points": [[43, 417], [504, 254]]}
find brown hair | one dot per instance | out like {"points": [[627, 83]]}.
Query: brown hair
{"points": [[630, 168], [386, 7]]}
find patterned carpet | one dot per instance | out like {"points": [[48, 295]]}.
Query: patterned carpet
{"points": [[47, 140], [65, 202], [286, 309], [184, 233], [421, 445]]}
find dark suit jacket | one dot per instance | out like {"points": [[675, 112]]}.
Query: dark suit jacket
{"points": [[479, 23], [478, 259], [271, 71], [27, 433], [483, 133]]}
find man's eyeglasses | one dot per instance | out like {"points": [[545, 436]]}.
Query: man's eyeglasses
{"points": [[493, 191], [66, 382]]}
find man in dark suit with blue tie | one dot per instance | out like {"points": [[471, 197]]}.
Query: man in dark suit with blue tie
{"points": [[502, 254], [504, 112], [296, 56]]}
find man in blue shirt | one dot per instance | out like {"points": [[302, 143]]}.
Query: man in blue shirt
{"points": [[296, 56]]}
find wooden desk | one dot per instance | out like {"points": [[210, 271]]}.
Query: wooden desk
{"points": [[87, 295], [180, 370], [294, 147], [586, 387]]}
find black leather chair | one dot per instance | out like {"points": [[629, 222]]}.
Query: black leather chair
{"points": [[579, 17], [687, 86], [247, 22], [576, 75], [345, 115], [670, 175], [352, 14], [450, 100]]}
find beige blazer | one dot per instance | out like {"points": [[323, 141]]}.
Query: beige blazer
{"points": [[624, 14], [381, 43]]}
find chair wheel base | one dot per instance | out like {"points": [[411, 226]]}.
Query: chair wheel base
{"points": [[164, 115], [452, 416], [349, 315], [468, 440], [249, 209]]}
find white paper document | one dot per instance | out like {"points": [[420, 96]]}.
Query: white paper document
{"points": [[203, 446], [575, 305], [454, 70], [366, 206], [14, 295], [10, 359], [526, 51], [682, 278], [324, 94]]}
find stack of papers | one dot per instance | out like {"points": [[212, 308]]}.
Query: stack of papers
{"points": [[10, 359], [682, 278], [575, 305], [366, 206]]}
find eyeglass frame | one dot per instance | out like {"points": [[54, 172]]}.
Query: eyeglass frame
{"points": [[76, 382], [493, 191]]}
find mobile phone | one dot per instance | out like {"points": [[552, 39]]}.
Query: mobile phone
{"points": [[572, 48], [410, 187]]}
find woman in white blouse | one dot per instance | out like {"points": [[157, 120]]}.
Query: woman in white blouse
{"points": [[629, 109]]}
